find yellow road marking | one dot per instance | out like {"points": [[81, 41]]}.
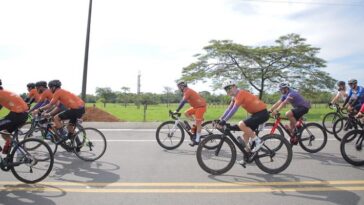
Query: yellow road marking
{"points": [[247, 190], [192, 184]]}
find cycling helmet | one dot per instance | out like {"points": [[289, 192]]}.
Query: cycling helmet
{"points": [[54, 83], [228, 83], [1, 83], [41, 84], [182, 84], [283, 85], [31, 85], [341, 83], [352, 81]]}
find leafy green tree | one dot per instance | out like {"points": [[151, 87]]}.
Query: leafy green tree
{"points": [[106, 94], [290, 59]]}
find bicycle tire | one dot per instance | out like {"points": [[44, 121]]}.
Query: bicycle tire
{"points": [[268, 152], [344, 146], [89, 144], [161, 141], [49, 169], [202, 159], [279, 131], [312, 137], [343, 126], [329, 120], [50, 142]]}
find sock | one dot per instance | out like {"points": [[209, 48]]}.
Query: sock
{"points": [[198, 135]]}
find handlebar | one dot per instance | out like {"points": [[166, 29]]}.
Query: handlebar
{"points": [[173, 115]]}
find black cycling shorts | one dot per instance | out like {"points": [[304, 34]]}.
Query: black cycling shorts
{"points": [[72, 114], [298, 112], [256, 119], [13, 121]]}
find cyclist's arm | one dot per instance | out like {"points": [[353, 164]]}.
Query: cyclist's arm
{"points": [[347, 98], [337, 96], [38, 105], [282, 104], [275, 105], [227, 110], [231, 112], [181, 104]]}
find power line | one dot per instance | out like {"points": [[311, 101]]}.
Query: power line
{"points": [[360, 3]]}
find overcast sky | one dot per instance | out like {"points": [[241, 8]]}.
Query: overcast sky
{"points": [[45, 39]]}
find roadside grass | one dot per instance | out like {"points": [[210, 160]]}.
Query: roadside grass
{"points": [[159, 113]]}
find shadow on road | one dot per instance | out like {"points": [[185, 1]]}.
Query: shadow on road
{"points": [[29, 194], [336, 196], [68, 167]]}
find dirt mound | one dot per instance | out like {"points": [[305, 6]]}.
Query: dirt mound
{"points": [[94, 114]]}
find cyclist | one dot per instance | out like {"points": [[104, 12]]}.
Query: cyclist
{"points": [[341, 92], [45, 95], [356, 96], [75, 107], [198, 108], [253, 105], [17, 116], [32, 95], [300, 107]]}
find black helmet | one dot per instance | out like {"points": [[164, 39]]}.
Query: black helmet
{"points": [[54, 83], [352, 81], [31, 85], [41, 84], [341, 83], [181, 83], [283, 85]]}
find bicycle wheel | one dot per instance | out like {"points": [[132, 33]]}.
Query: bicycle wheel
{"points": [[89, 144], [31, 166], [352, 150], [267, 129], [219, 160], [342, 126], [312, 137], [273, 161], [208, 128], [329, 120], [169, 136], [39, 133], [24, 129]]}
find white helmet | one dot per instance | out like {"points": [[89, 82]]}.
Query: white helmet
{"points": [[283, 85], [228, 83]]}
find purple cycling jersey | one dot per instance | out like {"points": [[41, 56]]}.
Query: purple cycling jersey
{"points": [[295, 99]]}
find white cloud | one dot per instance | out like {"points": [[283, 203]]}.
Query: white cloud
{"points": [[43, 40]]}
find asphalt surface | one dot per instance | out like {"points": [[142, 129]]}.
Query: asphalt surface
{"points": [[136, 170]]}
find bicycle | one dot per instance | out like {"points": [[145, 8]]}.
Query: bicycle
{"points": [[345, 124], [222, 158], [171, 134], [304, 132], [23, 162], [351, 146], [89, 144], [331, 117]]}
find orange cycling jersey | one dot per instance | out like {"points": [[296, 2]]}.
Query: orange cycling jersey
{"points": [[249, 102], [34, 94], [193, 98], [12, 102], [69, 100], [46, 95]]}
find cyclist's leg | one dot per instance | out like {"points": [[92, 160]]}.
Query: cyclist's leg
{"points": [[249, 126], [10, 123], [198, 120], [189, 113], [73, 116]]}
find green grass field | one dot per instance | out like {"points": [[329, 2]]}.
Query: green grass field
{"points": [[157, 113]]}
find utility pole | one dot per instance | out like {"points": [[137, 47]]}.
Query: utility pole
{"points": [[84, 79]]}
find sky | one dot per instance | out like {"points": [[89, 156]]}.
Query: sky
{"points": [[45, 39]]}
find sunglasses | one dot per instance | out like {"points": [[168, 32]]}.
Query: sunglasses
{"points": [[228, 88]]}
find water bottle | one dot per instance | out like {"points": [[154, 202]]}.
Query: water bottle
{"points": [[241, 141]]}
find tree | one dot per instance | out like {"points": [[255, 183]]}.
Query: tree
{"points": [[262, 67], [125, 96], [106, 94], [168, 92]]}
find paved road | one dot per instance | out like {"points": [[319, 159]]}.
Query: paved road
{"points": [[135, 170]]}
